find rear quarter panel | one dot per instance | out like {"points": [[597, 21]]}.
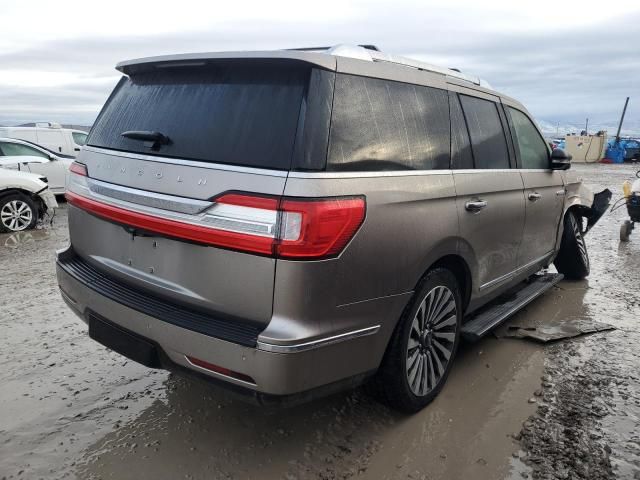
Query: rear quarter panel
{"points": [[411, 221]]}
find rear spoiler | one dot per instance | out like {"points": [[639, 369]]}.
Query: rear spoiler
{"points": [[132, 67]]}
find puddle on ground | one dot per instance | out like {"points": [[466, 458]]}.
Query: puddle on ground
{"points": [[71, 409]]}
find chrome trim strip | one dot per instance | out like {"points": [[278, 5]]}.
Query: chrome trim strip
{"points": [[322, 342], [149, 199], [76, 185], [495, 281], [218, 374], [515, 272], [294, 174], [394, 173], [190, 163]]}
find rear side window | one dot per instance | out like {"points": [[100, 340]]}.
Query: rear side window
{"points": [[532, 148], [384, 125], [240, 115], [485, 129], [461, 156]]}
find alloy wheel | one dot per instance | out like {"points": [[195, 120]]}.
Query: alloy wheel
{"points": [[16, 215], [431, 340]]}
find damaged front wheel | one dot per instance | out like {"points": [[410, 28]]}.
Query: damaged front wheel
{"points": [[572, 260]]}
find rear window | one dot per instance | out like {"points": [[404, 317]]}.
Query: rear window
{"points": [[385, 125], [240, 115]]}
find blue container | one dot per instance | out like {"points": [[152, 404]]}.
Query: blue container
{"points": [[615, 153]]}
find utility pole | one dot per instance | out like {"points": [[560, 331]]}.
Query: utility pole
{"points": [[624, 110], [586, 127]]}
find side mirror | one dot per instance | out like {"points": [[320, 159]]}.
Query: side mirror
{"points": [[51, 157], [560, 160]]}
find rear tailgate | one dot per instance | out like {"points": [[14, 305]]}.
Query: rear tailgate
{"points": [[231, 129]]}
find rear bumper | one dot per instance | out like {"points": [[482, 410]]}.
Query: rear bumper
{"points": [[319, 370]]}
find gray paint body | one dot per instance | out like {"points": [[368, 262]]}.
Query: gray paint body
{"points": [[316, 309]]}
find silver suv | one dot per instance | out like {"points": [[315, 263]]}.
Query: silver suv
{"points": [[289, 223]]}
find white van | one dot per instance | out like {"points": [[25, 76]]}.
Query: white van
{"points": [[49, 135]]}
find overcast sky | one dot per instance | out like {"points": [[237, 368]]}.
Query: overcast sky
{"points": [[565, 60]]}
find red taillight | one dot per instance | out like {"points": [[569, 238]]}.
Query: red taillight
{"points": [[306, 228], [297, 229], [78, 168], [325, 226]]}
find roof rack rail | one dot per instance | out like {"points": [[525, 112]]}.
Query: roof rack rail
{"points": [[374, 54]]}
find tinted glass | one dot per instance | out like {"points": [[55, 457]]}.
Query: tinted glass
{"points": [[383, 125], [311, 144], [242, 115], [15, 149], [487, 136], [532, 148], [79, 138], [461, 156]]}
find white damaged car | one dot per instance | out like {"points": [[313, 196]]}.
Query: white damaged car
{"points": [[24, 199]]}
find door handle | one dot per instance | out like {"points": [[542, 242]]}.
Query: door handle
{"points": [[561, 193], [535, 196], [475, 205]]}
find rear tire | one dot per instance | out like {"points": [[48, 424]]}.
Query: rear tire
{"points": [[423, 346], [572, 259], [625, 231], [17, 213]]}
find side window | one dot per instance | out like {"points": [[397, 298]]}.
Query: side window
{"points": [[533, 149], [79, 138], [384, 125], [16, 149], [487, 135], [461, 156]]}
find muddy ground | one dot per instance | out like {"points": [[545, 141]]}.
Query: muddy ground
{"points": [[511, 408]]}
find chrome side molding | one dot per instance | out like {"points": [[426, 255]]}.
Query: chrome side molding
{"points": [[322, 342]]}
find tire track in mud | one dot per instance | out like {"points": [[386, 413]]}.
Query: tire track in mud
{"points": [[565, 439]]}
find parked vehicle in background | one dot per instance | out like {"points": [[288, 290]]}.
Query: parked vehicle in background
{"points": [[50, 136], [20, 154], [292, 222], [24, 199]]}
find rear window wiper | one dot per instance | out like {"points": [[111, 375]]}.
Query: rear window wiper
{"points": [[153, 140]]}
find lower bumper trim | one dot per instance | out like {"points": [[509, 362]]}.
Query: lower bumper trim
{"points": [[229, 329], [322, 342]]}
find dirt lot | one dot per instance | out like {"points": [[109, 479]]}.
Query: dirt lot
{"points": [[511, 409]]}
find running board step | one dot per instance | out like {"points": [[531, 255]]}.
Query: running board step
{"points": [[489, 318]]}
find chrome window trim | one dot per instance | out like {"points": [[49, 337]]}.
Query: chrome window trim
{"points": [[189, 163], [515, 272], [322, 342], [296, 174], [392, 173]]}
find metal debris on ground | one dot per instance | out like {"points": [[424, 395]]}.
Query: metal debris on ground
{"points": [[551, 333]]}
